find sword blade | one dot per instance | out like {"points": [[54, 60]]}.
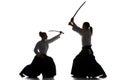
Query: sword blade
{"points": [[78, 9], [53, 31]]}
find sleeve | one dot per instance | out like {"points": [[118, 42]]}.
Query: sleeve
{"points": [[36, 48], [77, 29], [53, 39]]}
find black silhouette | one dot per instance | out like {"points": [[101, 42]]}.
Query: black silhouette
{"points": [[85, 64], [41, 63]]}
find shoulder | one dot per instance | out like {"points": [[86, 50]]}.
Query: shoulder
{"points": [[88, 32], [39, 42]]}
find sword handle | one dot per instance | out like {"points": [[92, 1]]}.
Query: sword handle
{"points": [[61, 32]]}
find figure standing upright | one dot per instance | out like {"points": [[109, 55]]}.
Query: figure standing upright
{"points": [[84, 64]]}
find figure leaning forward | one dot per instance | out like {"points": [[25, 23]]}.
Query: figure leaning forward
{"points": [[41, 64]]}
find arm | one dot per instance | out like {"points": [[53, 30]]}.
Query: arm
{"points": [[74, 26], [77, 29], [91, 29], [55, 37]]}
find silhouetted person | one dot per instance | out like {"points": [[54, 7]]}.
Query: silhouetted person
{"points": [[41, 63], [84, 64]]}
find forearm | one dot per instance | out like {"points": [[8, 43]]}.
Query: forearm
{"points": [[76, 28], [54, 38]]}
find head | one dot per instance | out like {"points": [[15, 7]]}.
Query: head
{"points": [[86, 25], [43, 35]]}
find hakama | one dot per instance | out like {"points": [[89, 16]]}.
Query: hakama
{"points": [[40, 65], [85, 65]]}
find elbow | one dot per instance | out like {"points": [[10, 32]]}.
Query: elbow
{"points": [[35, 51]]}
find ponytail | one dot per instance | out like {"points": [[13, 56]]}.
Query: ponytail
{"points": [[91, 29]]}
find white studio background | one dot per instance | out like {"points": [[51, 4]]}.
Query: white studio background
{"points": [[21, 21]]}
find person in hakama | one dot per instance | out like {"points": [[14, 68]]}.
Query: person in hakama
{"points": [[85, 64], [41, 64]]}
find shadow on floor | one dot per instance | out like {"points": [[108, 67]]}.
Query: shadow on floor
{"points": [[39, 79], [85, 79], [55, 79]]}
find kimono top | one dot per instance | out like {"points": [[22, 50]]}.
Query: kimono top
{"points": [[85, 33], [43, 45]]}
